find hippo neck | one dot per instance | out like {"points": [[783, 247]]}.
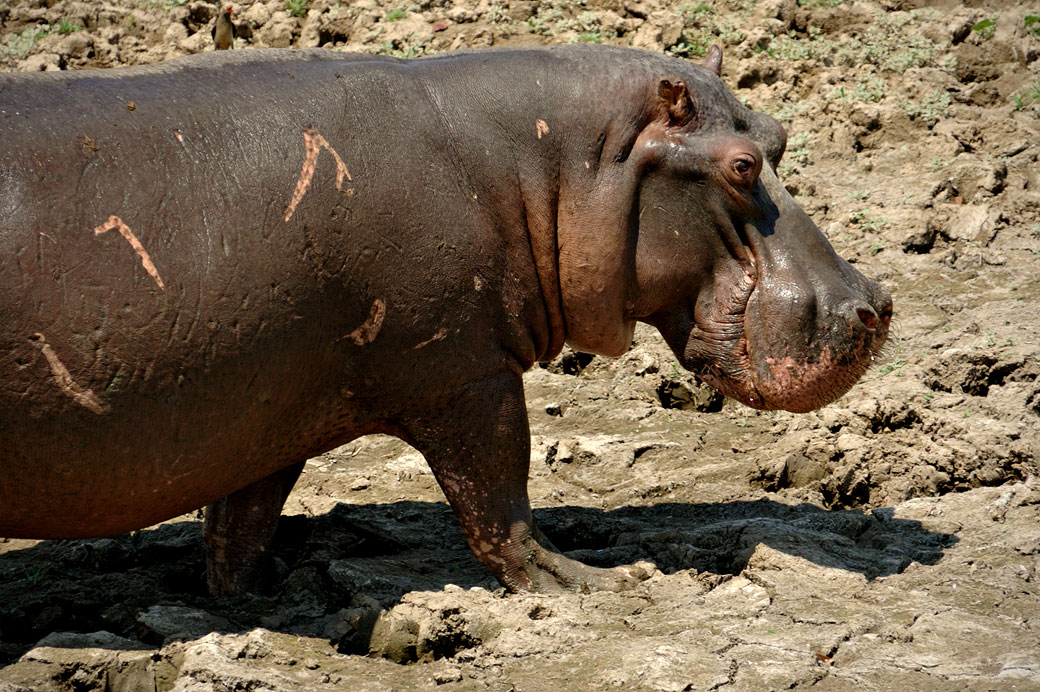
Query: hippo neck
{"points": [[569, 123]]}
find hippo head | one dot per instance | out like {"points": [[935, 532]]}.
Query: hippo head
{"points": [[717, 256]]}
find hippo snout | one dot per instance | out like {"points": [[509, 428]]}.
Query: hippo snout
{"points": [[812, 336]]}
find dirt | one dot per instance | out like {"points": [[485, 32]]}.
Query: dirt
{"points": [[889, 541]]}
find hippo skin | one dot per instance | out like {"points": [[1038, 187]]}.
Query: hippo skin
{"points": [[214, 269]]}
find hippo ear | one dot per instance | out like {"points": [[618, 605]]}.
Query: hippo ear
{"points": [[675, 100], [714, 60]]}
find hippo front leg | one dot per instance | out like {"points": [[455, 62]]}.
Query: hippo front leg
{"points": [[239, 528], [479, 448]]}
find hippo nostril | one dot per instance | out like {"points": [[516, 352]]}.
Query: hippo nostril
{"points": [[886, 315], [868, 317]]}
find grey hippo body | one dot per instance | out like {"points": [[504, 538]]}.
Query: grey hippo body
{"points": [[214, 269]]}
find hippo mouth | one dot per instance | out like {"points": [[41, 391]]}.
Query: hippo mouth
{"points": [[785, 364], [792, 382]]}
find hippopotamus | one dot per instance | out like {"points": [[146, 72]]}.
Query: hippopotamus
{"points": [[216, 268]]}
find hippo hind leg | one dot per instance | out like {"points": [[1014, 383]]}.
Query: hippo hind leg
{"points": [[479, 449], [239, 529]]}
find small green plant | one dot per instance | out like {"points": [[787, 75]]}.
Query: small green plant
{"points": [[797, 154], [689, 10], [931, 108], [895, 366], [17, 46], [395, 14], [936, 163], [412, 48], [296, 8], [985, 28], [1027, 97], [869, 223], [691, 47], [66, 26], [33, 575], [548, 19], [131, 21], [870, 89], [589, 37], [1033, 24], [536, 24], [496, 14], [787, 111]]}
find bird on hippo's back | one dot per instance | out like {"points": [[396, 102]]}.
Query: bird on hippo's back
{"points": [[224, 31]]}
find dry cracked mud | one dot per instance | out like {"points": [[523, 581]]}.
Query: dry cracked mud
{"points": [[889, 541]]}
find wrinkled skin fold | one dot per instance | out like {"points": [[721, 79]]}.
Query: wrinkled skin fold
{"points": [[195, 298]]}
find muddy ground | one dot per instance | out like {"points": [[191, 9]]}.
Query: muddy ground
{"points": [[889, 541]]}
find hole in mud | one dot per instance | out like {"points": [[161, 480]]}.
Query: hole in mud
{"points": [[974, 372], [569, 362], [575, 530], [688, 394], [332, 35]]}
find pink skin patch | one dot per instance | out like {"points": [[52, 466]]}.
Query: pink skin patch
{"points": [[801, 386], [84, 397], [124, 230], [541, 127], [791, 384], [441, 333], [367, 332], [313, 144]]}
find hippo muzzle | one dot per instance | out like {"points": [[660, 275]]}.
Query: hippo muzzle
{"points": [[812, 324]]}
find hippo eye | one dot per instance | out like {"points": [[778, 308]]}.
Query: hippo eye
{"points": [[744, 167]]}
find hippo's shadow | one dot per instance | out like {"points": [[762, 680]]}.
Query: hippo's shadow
{"points": [[339, 568]]}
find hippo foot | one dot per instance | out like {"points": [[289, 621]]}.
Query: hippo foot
{"points": [[549, 572]]}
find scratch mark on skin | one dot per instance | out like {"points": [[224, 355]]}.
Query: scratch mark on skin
{"points": [[366, 333], [541, 127], [313, 143], [84, 397], [146, 261], [441, 333]]}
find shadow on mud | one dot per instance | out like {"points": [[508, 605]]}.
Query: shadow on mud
{"points": [[331, 575]]}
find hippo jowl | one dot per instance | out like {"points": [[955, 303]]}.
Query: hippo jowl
{"points": [[214, 269]]}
